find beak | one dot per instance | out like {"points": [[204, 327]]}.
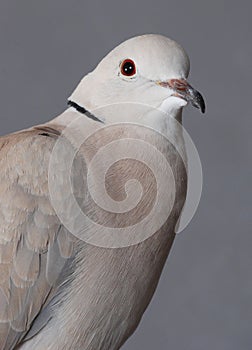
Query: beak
{"points": [[185, 91]]}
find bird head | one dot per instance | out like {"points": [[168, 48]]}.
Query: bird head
{"points": [[150, 70]]}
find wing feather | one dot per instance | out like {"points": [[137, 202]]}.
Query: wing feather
{"points": [[34, 246]]}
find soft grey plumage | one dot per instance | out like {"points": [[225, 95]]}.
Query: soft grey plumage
{"points": [[56, 291]]}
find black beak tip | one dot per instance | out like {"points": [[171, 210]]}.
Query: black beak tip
{"points": [[203, 107], [199, 102]]}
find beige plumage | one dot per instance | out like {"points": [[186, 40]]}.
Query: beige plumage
{"points": [[29, 231], [56, 291]]}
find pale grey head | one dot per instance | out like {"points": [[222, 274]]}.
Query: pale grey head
{"points": [[149, 69]]}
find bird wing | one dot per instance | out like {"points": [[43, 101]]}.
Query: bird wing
{"points": [[34, 246]]}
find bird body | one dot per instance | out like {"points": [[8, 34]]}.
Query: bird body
{"points": [[58, 290]]}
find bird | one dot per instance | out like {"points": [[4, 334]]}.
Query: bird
{"points": [[63, 287]]}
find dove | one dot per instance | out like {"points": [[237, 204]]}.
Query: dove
{"points": [[69, 278]]}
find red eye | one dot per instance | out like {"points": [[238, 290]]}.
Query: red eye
{"points": [[128, 68]]}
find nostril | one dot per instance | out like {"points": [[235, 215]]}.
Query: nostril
{"points": [[178, 84], [175, 84]]}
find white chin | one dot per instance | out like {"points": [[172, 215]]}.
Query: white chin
{"points": [[172, 104]]}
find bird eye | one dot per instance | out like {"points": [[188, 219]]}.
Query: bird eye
{"points": [[128, 67]]}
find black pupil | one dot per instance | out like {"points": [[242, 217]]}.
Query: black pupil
{"points": [[129, 68]]}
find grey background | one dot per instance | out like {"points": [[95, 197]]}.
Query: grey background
{"points": [[204, 299]]}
